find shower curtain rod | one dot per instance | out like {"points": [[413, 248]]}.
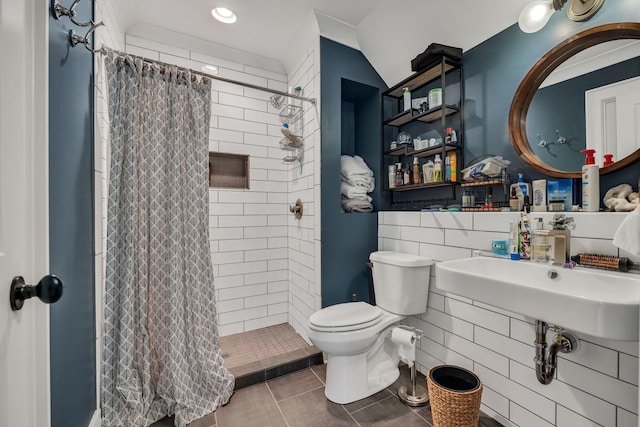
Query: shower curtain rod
{"points": [[212, 76]]}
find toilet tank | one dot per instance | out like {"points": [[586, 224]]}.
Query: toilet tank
{"points": [[401, 281]]}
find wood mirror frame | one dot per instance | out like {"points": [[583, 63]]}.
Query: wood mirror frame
{"points": [[540, 71]]}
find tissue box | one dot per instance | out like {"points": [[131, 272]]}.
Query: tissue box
{"points": [[560, 189]]}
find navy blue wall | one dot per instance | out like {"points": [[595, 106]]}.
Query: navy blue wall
{"points": [[351, 91], [73, 370], [494, 69], [561, 106]]}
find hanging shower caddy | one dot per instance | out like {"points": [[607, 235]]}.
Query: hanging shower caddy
{"points": [[291, 118]]}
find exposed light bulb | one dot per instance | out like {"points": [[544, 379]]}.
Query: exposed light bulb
{"points": [[223, 14], [535, 15]]}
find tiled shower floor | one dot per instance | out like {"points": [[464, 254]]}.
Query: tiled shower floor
{"points": [[261, 345], [266, 353]]}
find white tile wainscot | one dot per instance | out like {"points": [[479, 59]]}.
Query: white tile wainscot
{"points": [[596, 386]]}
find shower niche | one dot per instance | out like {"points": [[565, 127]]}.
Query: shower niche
{"points": [[228, 170]]}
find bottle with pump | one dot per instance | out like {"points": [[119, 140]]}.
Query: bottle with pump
{"points": [[608, 160], [437, 169], [590, 183], [406, 96], [525, 189]]}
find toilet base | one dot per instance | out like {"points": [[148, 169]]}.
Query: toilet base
{"points": [[351, 378]]}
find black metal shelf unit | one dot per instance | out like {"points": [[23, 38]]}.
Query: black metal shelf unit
{"points": [[444, 73]]}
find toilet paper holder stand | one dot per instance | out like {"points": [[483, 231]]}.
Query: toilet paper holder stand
{"points": [[416, 395]]}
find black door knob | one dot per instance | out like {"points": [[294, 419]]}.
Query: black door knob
{"points": [[48, 289]]}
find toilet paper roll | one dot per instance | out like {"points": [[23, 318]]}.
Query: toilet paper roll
{"points": [[406, 341], [403, 336]]}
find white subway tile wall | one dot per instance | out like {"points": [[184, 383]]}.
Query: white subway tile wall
{"points": [[597, 386], [264, 260], [304, 183]]}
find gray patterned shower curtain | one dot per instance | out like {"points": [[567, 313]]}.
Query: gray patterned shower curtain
{"points": [[161, 348]]}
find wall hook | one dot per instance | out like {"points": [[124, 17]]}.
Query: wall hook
{"points": [[542, 143], [86, 40], [561, 139], [59, 11]]}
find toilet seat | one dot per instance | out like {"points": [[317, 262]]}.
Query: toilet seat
{"points": [[345, 317]]}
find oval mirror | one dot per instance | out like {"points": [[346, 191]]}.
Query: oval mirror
{"points": [[581, 92]]}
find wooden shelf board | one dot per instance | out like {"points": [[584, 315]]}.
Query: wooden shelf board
{"points": [[436, 114], [483, 183], [420, 78], [409, 151], [422, 186]]}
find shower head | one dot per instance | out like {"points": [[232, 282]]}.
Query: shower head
{"points": [[277, 101]]}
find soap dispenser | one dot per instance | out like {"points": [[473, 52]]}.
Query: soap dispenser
{"points": [[590, 183], [525, 190]]}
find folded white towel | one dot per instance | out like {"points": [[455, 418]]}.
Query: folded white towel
{"points": [[354, 166], [361, 181], [353, 192], [356, 205], [627, 235]]}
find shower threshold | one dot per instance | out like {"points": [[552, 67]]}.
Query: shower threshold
{"points": [[263, 354]]}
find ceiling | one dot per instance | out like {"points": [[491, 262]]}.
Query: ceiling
{"points": [[389, 32]]}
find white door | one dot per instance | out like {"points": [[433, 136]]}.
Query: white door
{"points": [[613, 119], [24, 334]]}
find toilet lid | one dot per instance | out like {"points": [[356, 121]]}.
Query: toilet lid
{"points": [[346, 317]]}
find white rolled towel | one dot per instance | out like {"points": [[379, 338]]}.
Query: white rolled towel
{"points": [[351, 166], [361, 181], [353, 192], [627, 235]]}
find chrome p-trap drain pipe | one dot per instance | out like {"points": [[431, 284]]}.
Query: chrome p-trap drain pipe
{"points": [[547, 361]]}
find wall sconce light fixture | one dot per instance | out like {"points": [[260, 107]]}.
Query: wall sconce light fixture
{"points": [[537, 13]]}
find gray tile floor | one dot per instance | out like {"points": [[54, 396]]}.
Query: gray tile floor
{"points": [[297, 400]]}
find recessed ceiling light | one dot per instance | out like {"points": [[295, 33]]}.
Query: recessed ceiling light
{"points": [[210, 68], [223, 14]]}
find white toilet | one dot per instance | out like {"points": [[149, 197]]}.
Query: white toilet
{"points": [[356, 336]]}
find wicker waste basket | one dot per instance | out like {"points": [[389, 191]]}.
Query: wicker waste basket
{"points": [[455, 395]]}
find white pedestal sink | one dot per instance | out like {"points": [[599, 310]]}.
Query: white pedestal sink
{"points": [[594, 302]]}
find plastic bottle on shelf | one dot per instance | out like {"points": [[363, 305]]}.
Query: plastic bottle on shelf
{"points": [[427, 172], [453, 161], [437, 169], [399, 175], [447, 169], [406, 176], [416, 171], [406, 97], [392, 176]]}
